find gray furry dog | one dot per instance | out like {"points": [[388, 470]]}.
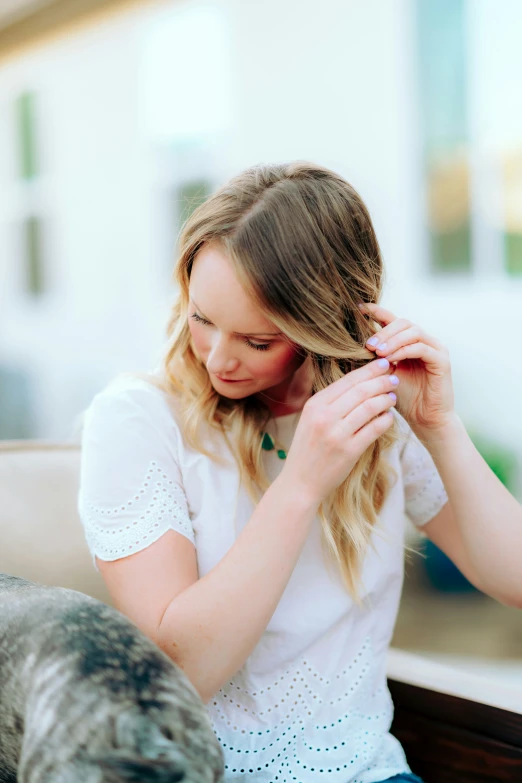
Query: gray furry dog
{"points": [[85, 697]]}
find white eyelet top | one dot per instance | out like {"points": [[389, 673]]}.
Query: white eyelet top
{"points": [[311, 702]]}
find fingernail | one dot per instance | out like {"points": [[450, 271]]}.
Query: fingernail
{"points": [[394, 380], [384, 363], [392, 395], [372, 341], [360, 306], [382, 346]]}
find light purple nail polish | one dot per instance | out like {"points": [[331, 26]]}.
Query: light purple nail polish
{"points": [[394, 380], [384, 363], [372, 341], [382, 347], [392, 395]]}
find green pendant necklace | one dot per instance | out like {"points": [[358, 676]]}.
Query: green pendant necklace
{"points": [[268, 444]]}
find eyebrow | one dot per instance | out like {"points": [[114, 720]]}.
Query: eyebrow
{"points": [[241, 334]]}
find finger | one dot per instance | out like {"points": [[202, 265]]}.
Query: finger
{"points": [[368, 410], [362, 395], [412, 335], [389, 331], [371, 431], [374, 369], [378, 313], [430, 356]]}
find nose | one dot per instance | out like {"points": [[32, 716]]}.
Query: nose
{"points": [[220, 358]]}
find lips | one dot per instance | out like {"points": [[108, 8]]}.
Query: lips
{"points": [[231, 380]]}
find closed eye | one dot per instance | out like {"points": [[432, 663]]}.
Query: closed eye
{"points": [[199, 319], [256, 346]]}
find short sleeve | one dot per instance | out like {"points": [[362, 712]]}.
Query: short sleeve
{"points": [[131, 489], [423, 488]]}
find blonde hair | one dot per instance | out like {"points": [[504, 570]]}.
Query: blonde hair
{"points": [[303, 246]]}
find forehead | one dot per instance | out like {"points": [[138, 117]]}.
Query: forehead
{"points": [[220, 297]]}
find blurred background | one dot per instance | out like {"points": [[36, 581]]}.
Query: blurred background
{"points": [[118, 116]]}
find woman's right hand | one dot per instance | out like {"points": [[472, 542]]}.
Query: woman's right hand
{"points": [[336, 426]]}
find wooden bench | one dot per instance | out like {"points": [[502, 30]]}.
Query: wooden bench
{"points": [[455, 727]]}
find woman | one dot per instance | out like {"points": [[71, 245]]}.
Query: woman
{"points": [[246, 507]]}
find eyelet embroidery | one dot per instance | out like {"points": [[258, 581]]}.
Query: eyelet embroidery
{"points": [[158, 505], [425, 495], [302, 723]]}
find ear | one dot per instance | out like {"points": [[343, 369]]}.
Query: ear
{"points": [[120, 767]]}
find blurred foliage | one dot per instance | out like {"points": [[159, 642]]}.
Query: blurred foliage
{"points": [[501, 460], [451, 250], [513, 245], [189, 196]]}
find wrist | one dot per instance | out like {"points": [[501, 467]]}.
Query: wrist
{"points": [[299, 494], [438, 437]]}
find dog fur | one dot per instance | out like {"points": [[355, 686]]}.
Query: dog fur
{"points": [[85, 697]]}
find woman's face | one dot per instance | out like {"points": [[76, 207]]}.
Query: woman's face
{"points": [[243, 352]]}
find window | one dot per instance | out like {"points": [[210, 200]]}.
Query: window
{"points": [[32, 231], [512, 181], [444, 127], [30, 225], [25, 110]]}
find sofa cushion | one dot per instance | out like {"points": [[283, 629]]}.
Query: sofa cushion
{"points": [[41, 537]]}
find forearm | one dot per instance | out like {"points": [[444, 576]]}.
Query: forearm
{"points": [[212, 627], [488, 516]]}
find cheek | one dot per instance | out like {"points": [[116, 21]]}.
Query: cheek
{"points": [[283, 361], [199, 338]]}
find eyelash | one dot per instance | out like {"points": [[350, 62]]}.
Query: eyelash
{"points": [[257, 346]]}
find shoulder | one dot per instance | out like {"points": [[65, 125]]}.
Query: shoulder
{"points": [[128, 392], [424, 491], [131, 424], [407, 451], [131, 479], [131, 400], [129, 434]]}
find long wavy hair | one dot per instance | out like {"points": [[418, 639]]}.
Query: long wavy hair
{"points": [[303, 246]]}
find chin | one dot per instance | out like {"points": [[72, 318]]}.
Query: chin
{"points": [[230, 392], [232, 396]]}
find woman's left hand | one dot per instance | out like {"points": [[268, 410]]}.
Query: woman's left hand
{"points": [[425, 394]]}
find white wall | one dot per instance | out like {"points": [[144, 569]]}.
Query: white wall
{"points": [[102, 312]]}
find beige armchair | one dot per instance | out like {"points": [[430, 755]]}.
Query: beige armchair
{"points": [[40, 533], [455, 728]]}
